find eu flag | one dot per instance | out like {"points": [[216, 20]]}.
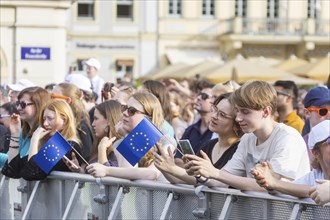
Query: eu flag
{"points": [[139, 141], [52, 151]]}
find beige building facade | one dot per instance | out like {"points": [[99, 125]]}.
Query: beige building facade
{"points": [[40, 40]]}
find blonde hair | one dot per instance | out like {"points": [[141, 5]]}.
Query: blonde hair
{"points": [[76, 104], [111, 111], [39, 97], [226, 87], [153, 109], [255, 95], [62, 110]]}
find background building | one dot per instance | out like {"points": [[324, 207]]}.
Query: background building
{"points": [[137, 37]]}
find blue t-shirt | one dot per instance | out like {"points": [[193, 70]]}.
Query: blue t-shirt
{"points": [[23, 145]]}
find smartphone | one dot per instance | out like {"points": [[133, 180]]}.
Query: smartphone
{"points": [[186, 147]]}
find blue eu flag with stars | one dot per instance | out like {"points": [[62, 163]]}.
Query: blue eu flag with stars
{"points": [[52, 152], [139, 141]]}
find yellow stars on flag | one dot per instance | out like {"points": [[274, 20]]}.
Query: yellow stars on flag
{"points": [[51, 147]]}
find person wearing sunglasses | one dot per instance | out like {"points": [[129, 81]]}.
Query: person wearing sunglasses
{"points": [[287, 100], [56, 116], [140, 105], [74, 96], [199, 133], [319, 144], [29, 105], [317, 109]]}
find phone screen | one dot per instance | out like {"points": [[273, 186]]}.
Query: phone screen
{"points": [[186, 147]]}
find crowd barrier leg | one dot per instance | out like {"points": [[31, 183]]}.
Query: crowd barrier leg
{"points": [[227, 207], [71, 200], [117, 204], [2, 184], [296, 211], [167, 206], [201, 211], [31, 200]]}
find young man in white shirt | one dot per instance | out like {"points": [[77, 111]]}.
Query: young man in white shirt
{"points": [[264, 140]]}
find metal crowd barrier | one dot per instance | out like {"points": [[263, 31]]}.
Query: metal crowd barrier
{"points": [[78, 196]]}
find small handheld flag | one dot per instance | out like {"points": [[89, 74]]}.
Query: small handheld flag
{"points": [[52, 152], [139, 141]]}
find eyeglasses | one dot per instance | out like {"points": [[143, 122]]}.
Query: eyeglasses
{"points": [[203, 95], [4, 116], [131, 110], [282, 93], [321, 111], [57, 96], [23, 104], [219, 113]]}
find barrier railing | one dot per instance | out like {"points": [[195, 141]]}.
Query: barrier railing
{"points": [[79, 196]]}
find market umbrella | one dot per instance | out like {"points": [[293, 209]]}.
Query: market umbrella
{"points": [[247, 70], [319, 70], [291, 63]]}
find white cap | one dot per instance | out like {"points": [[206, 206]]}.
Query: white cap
{"points": [[20, 85], [319, 132], [92, 62], [82, 82]]}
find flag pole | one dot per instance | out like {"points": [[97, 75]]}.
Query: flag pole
{"points": [[79, 155], [168, 139]]}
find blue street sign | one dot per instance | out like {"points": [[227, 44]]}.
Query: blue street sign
{"points": [[35, 53]]}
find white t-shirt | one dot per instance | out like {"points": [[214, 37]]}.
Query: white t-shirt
{"points": [[285, 149], [98, 84], [309, 178]]}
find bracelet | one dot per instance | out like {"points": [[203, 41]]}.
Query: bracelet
{"points": [[198, 180], [15, 140], [14, 147]]}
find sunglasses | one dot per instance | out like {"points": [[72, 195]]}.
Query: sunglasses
{"points": [[321, 111], [203, 95], [4, 116], [131, 110], [23, 104]]}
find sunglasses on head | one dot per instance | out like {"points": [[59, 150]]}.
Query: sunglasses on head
{"points": [[321, 111], [131, 110], [23, 104], [57, 96], [203, 95]]}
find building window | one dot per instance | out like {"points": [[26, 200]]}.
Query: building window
{"points": [[273, 8], [86, 9], [313, 10], [125, 9], [124, 67], [240, 8], [208, 7], [175, 7]]}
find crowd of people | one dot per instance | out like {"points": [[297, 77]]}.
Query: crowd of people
{"points": [[255, 136]]}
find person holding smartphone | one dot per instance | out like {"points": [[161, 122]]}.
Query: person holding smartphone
{"points": [[219, 150]]}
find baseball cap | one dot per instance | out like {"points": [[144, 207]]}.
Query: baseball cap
{"points": [[317, 96], [92, 62], [20, 85], [319, 132], [82, 82]]}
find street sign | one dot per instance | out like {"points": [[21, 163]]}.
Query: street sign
{"points": [[35, 53]]}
